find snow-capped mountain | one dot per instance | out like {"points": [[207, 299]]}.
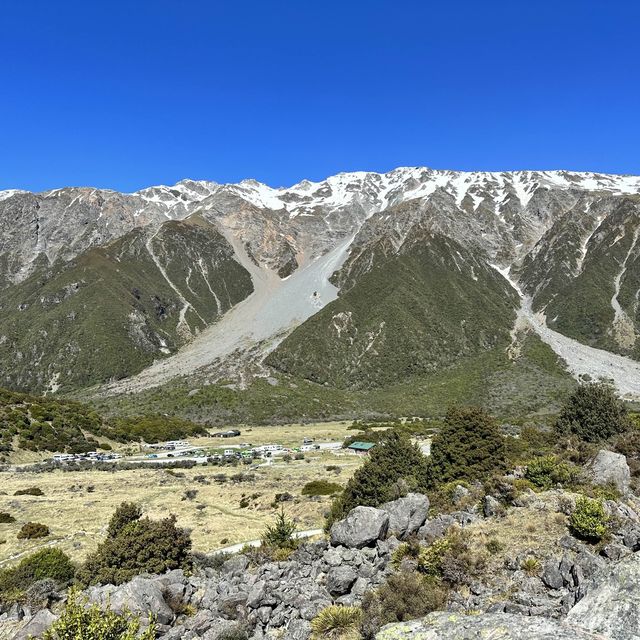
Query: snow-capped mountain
{"points": [[305, 257]]}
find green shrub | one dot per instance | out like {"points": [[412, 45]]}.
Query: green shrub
{"points": [[404, 596], [548, 471], [80, 620], [393, 468], [31, 491], [32, 530], [6, 518], [468, 447], [593, 413], [320, 488], [47, 563], [337, 623], [137, 546], [280, 534], [589, 520]]}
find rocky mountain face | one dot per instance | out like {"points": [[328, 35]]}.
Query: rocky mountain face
{"points": [[375, 276]]}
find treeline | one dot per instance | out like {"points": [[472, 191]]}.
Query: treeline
{"points": [[40, 423]]}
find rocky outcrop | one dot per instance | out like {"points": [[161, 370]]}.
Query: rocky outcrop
{"points": [[502, 626], [407, 515], [596, 587], [141, 596], [610, 468], [611, 606], [362, 527]]}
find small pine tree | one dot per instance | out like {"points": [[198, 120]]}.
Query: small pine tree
{"points": [[280, 533], [593, 413], [468, 447]]}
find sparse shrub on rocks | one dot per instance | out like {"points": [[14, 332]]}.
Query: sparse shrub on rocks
{"points": [[494, 546], [589, 520], [531, 566], [404, 596], [32, 530], [337, 623], [6, 518], [280, 534], [80, 620]]}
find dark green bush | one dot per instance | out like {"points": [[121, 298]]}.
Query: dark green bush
{"points": [[33, 530], [320, 488], [31, 491], [125, 514], [593, 413], [404, 596], [6, 518], [138, 545], [393, 468], [468, 447]]}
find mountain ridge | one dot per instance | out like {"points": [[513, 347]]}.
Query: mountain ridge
{"points": [[308, 246]]}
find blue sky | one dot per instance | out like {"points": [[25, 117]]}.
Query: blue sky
{"points": [[128, 94]]}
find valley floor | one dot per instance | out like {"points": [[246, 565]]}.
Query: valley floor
{"points": [[77, 505]]}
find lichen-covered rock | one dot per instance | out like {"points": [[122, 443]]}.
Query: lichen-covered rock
{"points": [[496, 626], [407, 515], [611, 606], [362, 527]]}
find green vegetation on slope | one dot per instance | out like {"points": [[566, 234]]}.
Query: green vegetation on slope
{"points": [[576, 295], [111, 312], [534, 381], [409, 315], [36, 423]]}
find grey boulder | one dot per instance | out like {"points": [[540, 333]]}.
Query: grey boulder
{"points": [[36, 626], [362, 527], [340, 579], [141, 596], [610, 468], [407, 515]]}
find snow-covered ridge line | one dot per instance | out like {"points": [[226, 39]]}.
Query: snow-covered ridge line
{"points": [[341, 189]]}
